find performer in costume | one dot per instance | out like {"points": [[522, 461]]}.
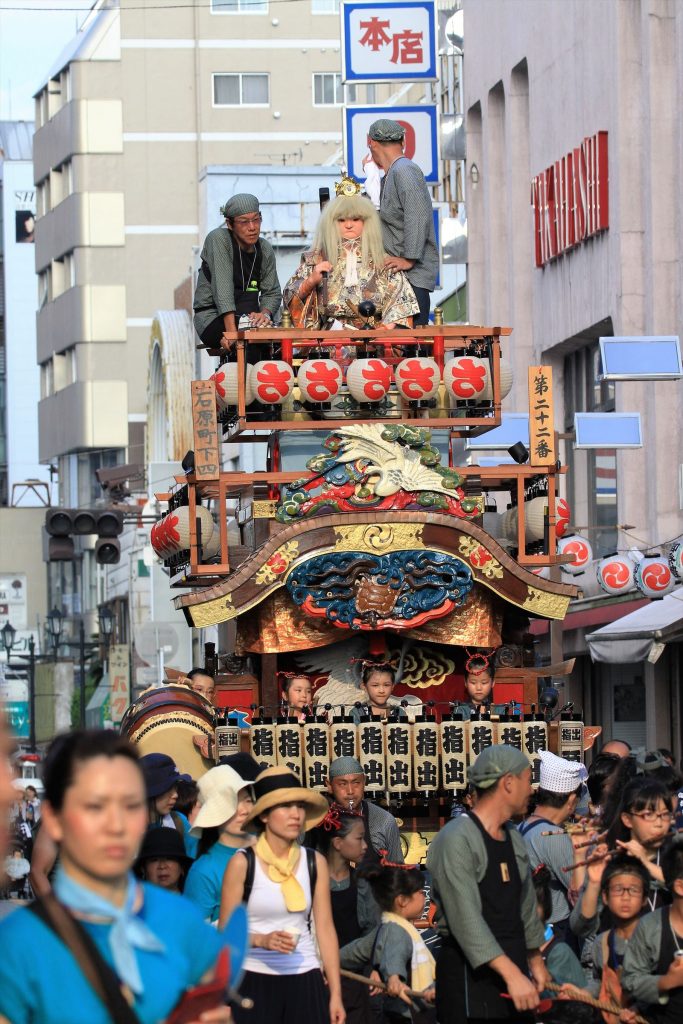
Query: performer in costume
{"points": [[377, 682], [347, 263], [486, 904], [346, 785], [297, 693], [479, 680]]}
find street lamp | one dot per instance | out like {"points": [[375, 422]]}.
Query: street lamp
{"points": [[8, 634], [54, 622], [106, 620]]}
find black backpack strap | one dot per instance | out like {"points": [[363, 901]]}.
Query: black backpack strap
{"points": [[249, 877], [101, 977]]}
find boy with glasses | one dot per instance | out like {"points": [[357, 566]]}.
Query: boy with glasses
{"points": [[237, 285]]}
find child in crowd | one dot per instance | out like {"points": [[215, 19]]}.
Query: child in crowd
{"points": [[395, 949], [624, 883], [479, 679], [562, 962], [163, 860], [653, 964], [297, 694], [340, 838]]}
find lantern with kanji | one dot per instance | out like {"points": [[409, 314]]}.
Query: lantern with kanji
{"points": [[653, 577], [171, 534], [226, 381], [465, 378], [319, 380], [580, 548], [562, 514], [506, 379], [676, 559], [615, 574], [273, 381], [418, 378], [368, 380]]}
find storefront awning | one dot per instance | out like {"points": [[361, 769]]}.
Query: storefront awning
{"points": [[635, 637]]}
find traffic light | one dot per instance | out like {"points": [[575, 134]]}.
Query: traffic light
{"points": [[62, 524]]}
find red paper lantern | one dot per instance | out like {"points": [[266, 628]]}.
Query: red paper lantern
{"points": [[418, 378], [653, 577], [580, 548], [466, 377], [273, 381], [615, 574], [319, 380], [368, 380]]}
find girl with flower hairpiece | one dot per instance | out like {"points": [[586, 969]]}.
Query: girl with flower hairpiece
{"points": [[340, 838], [297, 693], [346, 267]]}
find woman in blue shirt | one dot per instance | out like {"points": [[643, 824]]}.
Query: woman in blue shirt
{"points": [[156, 942], [226, 805]]}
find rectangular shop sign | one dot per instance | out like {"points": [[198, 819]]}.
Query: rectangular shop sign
{"points": [[385, 42], [421, 137]]}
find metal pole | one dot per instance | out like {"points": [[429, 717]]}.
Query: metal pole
{"points": [[32, 693], [81, 680]]}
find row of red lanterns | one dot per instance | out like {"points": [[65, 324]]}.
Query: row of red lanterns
{"points": [[417, 378]]}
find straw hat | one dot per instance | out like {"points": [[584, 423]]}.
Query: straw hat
{"points": [[278, 785], [218, 789]]}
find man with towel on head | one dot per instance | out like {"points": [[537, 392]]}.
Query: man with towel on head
{"points": [[486, 904], [406, 213], [346, 785], [560, 788], [237, 284]]}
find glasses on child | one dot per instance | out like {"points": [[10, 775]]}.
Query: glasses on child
{"points": [[625, 890], [652, 816]]}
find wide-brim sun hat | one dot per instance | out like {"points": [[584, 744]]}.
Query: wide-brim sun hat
{"points": [[218, 795], [278, 785]]}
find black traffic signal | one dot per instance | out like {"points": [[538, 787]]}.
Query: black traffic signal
{"points": [[63, 523]]}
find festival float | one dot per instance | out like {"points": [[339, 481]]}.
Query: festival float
{"points": [[371, 534]]}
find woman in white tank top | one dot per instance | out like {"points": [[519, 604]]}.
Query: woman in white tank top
{"points": [[282, 970]]}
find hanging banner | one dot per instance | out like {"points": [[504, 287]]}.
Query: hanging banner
{"points": [[119, 680], [387, 42]]}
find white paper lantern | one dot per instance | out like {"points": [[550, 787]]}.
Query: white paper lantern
{"points": [[225, 380], [653, 577], [676, 559], [172, 533], [368, 380], [465, 378], [580, 548], [273, 381], [543, 573], [506, 380], [417, 378], [319, 380], [615, 574], [534, 521], [213, 547]]}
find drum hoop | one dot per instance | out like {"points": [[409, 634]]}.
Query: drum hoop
{"points": [[178, 719]]}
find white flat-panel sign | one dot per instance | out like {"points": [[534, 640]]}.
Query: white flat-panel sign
{"points": [[389, 41], [421, 139]]}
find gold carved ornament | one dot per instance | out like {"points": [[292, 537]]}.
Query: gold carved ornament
{"points": [[550, 606], [480, 558], [277, 564], [379, 538], [210, 613]]}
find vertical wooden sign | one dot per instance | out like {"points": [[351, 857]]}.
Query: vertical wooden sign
{"points": [[541, 417], [207, 448]]}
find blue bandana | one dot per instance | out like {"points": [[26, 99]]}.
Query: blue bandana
{"points": [[128, 933]]}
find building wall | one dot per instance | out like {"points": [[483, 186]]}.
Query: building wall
{"points": [[539, 78]]}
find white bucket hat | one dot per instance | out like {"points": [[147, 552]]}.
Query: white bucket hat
{"points": [[218, 790]]}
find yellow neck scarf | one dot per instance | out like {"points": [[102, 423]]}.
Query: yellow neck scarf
{"points": [[281, 870], [422, 964]]}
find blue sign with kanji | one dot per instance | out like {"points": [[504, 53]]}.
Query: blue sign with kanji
{"points": [[420, 143], [389, 41]]}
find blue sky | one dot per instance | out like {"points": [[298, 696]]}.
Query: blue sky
{"points": [[32, 35]]}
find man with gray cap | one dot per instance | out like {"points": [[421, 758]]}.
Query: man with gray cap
{"points": [[486, 905], [406, 213], [560, 785], [237, 284], [346, 784]]}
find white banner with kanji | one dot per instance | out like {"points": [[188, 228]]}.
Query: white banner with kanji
{"points": [[389, 41], [420, 143]]}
